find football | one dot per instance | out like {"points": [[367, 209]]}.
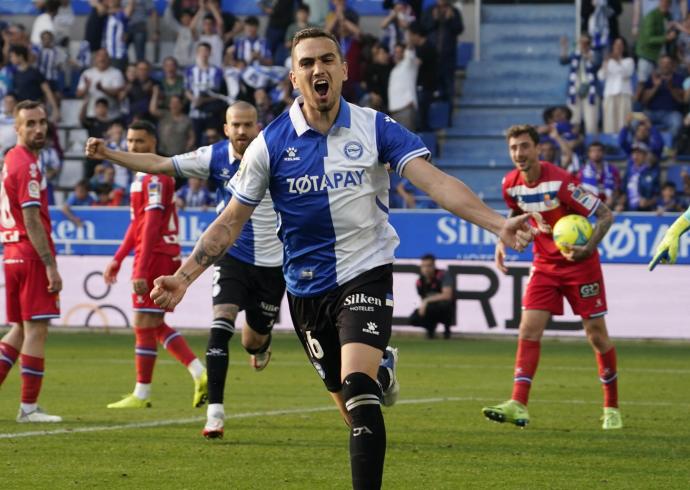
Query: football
{"points": [[572, 229]]}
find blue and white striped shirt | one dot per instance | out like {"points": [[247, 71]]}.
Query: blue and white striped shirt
{"points": [[114, 35], [330, 192], [48, 63], [202, 81], [245, 46]]}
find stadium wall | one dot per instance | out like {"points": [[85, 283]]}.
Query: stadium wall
{"points": [[641, 304]]}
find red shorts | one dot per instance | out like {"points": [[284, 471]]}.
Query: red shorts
{"points": [[161, 265], [583, 287], [26, 291]]}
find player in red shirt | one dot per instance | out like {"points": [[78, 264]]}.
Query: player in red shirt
{"points": [[32, 281], [544, 188], [152, 235]]}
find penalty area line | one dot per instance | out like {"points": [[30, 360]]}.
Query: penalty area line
{"points": [[294, 411]]}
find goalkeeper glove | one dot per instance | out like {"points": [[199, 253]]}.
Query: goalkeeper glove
{"points": [[667, 251]]}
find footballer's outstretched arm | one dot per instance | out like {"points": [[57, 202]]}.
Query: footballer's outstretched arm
{"points": [[604, 220], [212, 245], [454, 196], [149, 163]]}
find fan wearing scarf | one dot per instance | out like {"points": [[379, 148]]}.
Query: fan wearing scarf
{"points": [[583, 99], [600, 177]]}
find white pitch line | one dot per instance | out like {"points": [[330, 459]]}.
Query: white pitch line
{"points": [[299, 411]]}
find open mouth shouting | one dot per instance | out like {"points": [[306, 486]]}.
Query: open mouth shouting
{"points": [[321, 87]]}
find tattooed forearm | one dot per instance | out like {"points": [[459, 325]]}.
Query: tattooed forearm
{"points": [[37, 235], [604, 222], [204, 255]]}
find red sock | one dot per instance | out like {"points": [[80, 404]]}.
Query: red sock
{"points": [[32, 377], [174, 342], [609, 377], [526, 361], [8, 356], [145, 351]]}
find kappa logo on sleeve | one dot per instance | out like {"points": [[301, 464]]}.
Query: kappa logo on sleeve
{"points": [[34, 189]]}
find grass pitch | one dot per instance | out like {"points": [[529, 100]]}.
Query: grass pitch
{"points": [[283, 432]]}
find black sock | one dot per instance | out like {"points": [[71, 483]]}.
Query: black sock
{"points": [[384, 378], [368, 432], [218, 357], [261, 349]]}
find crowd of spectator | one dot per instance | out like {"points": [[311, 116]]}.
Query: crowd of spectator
{"points": [[217, 59]]}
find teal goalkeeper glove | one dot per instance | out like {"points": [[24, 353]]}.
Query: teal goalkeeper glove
{"points": [[667, 251]]}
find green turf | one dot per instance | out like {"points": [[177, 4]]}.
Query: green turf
{"points": [[437, 438]]}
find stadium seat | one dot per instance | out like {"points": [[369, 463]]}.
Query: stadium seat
{"points": [[69, 110], [464, 55], [75, 142], [439, 113], [72, 171]]}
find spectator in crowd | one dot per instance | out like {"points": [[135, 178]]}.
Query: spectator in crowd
{"points": [[6, 76], [108, 192], [641, 8], [211, 31], [183, 51], [641, 183], [376, 77], [211, 136], [115, 34], [115, 139], [668, 201], [251, 48], [443, 24], [280, 14], [653, 35], [663, 97], [412, 197], [64, 23], [583, 99], [14, 35], [232, 26], [140, 91], [606, 12], [343, 22], [395, 24], [95, 25], [28, 82], [318, 11], [44, 21], [203, 82], [435, 288], [342, 15], [427, 76], [101, 81], [600, 177], [175, 129], [567, 138], [682, 44], [402, 87], [81, 196], [301, 22], [194, 194], [8, 134], [616, 72], [548, 151], [138, 13], [50, 163], [265, 109], [50, 61], [639, 129], [98, 125], [171, 84], [179, 7], [232, 74]]}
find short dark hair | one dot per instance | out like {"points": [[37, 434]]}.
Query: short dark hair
{"points": [[20, 50], [595, 144], [143, 125], [669, 184], [304, 7], [82, 183], [27, 105], [431, 257], [315, 32], [205, 45], [252, 21], [209, 17], [102, 101], [520, 129]]}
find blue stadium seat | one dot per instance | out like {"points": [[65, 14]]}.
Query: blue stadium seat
{"points": [[430, 141], [439, 114], [673, 174], [464, 55]]}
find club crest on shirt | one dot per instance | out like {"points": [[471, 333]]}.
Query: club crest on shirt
{"points": [[353, 150]]}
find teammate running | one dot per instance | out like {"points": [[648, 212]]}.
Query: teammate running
{"points": [[323, 162], [32, 281], [541, 187], [152, 235]]}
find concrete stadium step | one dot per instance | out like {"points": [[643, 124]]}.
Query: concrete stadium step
{"points": [[528, 14], [503, 97], [485, 182], [475, 150], [491, 121], [545, 32], [490, 70], [516, 86], [460, 161]]}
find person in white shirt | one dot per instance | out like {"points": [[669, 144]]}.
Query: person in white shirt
{"points": [[44, 22], [402, 87], [210, 32], [616, 72], [101, 81], [8, 136]]}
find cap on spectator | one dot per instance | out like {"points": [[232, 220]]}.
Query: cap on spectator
{"points": [[639, 146]]}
